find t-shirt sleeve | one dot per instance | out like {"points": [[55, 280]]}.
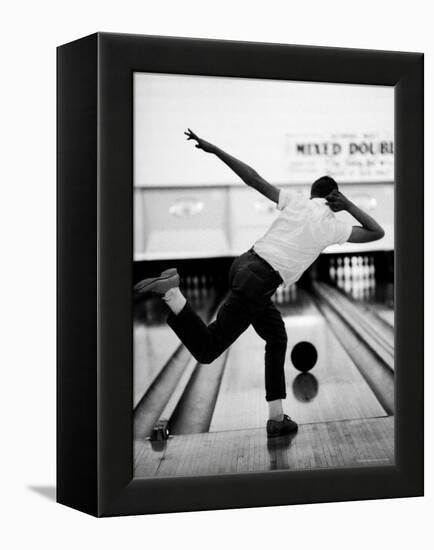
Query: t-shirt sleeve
{"points": [[285, 198], [342, 232]]}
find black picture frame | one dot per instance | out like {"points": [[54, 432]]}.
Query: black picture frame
{"points": [[95, 237]]}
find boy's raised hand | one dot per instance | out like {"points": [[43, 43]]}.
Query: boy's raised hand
{"points": [[337, 201], [200, 143]]}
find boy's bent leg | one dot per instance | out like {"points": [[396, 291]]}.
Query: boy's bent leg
{"points": [[269, 325], [204, 342]]}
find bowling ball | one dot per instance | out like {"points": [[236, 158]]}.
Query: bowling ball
{"points": [[304, 356]]}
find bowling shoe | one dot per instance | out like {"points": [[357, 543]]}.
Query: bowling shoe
{"points": [[157, 285], [281, 427]]}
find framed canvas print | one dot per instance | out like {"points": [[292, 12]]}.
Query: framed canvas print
{"points": [[240, 274]]}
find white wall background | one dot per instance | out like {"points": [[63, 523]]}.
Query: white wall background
{"points": [[29, 33], [253, 119]]}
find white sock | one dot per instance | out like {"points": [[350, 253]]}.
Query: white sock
{"points": [[175, 300], [275, 410]]}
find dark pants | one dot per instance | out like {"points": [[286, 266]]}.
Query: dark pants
{"points": [[252, 282]]}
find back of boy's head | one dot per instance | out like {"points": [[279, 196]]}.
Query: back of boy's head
{"points": [[323, 186]]}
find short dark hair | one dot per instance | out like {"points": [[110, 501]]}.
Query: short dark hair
{"points": [[323, 186]]}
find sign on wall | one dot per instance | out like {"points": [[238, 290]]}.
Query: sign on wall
{"points": [[348, 157]]}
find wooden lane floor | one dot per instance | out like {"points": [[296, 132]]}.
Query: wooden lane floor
{"points": [[379, 300], [382, 303], [333, 390], [388, 316], [154, 341], [333, 444]]}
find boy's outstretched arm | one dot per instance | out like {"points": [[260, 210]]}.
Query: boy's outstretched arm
{"points": [[369, 231], [245, 172]]}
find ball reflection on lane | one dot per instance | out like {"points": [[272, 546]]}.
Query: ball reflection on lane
{"points": [[305, 387]]}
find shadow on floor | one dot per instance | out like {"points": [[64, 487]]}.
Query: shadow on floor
{"points": [[47, 491]]}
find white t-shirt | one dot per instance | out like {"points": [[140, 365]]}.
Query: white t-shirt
{"points": [[299, 234]]}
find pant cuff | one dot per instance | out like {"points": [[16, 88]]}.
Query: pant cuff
{"points": [[173, 320], [273, 397]]}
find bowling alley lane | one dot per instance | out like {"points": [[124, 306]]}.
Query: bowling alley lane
{"points": [[381, 302], [153, 345], [356, 277], [154, 341], [333, 390]]}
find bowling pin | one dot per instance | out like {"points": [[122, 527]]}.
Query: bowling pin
{"points": [[347, 268], [340, 272], [369, 288], [196, 285], [372, 267], [189, 286], [354, 266], [366, 270], [332, 269], [358, 268], [354, 279], [372, 276], [203, 286]]}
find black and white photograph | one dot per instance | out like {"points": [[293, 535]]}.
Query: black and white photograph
{"points": [[216, 275], [263, 275]]}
